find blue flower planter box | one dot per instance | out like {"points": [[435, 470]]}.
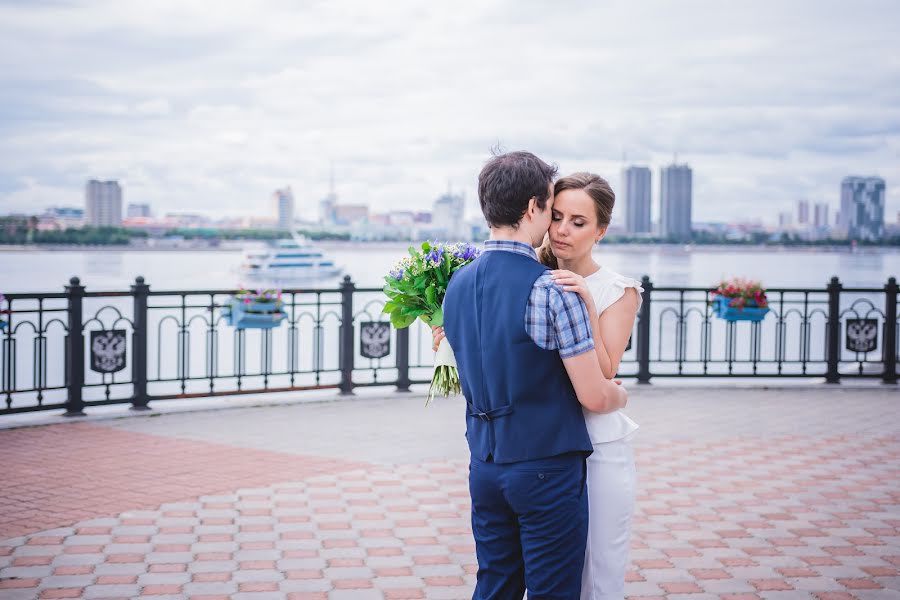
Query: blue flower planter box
{"points": [[732, 313], [255, 306], [253, 315]]}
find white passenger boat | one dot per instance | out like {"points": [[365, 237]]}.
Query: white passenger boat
{"points": [[294, 259]]}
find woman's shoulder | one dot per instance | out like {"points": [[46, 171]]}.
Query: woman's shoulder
{"points": [[605, 277], [608, 287]]}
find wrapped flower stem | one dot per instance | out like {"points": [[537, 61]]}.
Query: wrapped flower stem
{"points": [[445, 380]]}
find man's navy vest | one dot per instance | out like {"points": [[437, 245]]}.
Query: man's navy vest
{"points": [[521, 404]]}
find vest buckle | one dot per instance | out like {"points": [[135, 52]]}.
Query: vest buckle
{"points": [[489, 415]]}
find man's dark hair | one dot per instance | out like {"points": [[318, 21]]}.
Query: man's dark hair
{"points": [[508, 181]]}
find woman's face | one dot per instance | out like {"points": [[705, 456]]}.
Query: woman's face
{"points": [[574, 228]]}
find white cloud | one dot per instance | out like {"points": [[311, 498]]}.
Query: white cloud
{"points": [[212, 106]]}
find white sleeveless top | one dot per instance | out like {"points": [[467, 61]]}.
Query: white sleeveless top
{"points": [[608, 287]]}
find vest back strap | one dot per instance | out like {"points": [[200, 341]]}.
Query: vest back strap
{"points": [[488, 415]]}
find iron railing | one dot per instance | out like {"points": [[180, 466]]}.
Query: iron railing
{"points": [[78, 349]]}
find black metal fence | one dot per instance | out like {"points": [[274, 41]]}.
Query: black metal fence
{"points": [[77, 349]]}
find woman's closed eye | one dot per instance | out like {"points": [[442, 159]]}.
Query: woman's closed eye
{"points": [[575, 223]]}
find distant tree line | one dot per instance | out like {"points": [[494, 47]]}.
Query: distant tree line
{"points": [[251, 234], [23, 230], [756, 238], [211, 233], [18, 230]]}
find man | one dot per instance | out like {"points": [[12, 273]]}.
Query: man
{"points": [[527, 364]]}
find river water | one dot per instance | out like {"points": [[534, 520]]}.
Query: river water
{"points": [[104, 270]]}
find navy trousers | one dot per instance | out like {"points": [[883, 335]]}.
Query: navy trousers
{"points": [[530, 521]]}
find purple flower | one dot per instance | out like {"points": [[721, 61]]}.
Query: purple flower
{"points": [[466, 253], [436, 255], [397, 274]]}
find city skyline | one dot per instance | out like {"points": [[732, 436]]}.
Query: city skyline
{"points": [[313, 210], [633, 206], [860, 197], [213, 114]]}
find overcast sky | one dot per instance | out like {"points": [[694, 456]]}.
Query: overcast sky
{"points": [[212, 105]]}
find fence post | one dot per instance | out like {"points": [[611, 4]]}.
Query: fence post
{"points": [[346, 345], [833, 338], [403, 381], [140, 291], [890, 332], [643, 341], [74, 350]]}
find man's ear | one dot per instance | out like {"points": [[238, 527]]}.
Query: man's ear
{"points": [[532, 207]]}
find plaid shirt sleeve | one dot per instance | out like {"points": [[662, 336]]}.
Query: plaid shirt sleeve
{"points": [[558, 320]]}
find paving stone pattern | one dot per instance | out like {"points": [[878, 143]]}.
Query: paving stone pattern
{"points": [[744, 494]]}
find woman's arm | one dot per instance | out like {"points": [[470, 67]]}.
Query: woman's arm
{"points": [[610, 329], [600, 348]]}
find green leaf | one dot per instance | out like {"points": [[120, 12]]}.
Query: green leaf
{"points": [[437, 318], [401, 322], [430, 294]]}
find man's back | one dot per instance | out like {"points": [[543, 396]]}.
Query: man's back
{"points": [[521, 404]]}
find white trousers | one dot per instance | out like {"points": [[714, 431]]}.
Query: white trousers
{"points": [[610, 485]]}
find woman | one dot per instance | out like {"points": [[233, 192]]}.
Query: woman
{"points": [[582, 211]]}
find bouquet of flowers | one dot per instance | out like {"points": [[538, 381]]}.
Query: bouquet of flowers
{"points": [[741, 293], [415, 288]]}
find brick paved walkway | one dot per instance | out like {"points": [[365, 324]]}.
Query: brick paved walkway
{"points": [[749, 494]]}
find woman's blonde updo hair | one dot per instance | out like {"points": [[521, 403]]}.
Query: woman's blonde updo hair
{"points": [[600, 192]]}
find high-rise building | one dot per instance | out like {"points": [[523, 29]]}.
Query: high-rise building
{"points": [[328, 203], [862, 207], [448, 215], [785, 219], [821, 215], [636, 191], [326, 209], [675, 199], [802, 212], [139, 211], [284, 207], [103, 203]]}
